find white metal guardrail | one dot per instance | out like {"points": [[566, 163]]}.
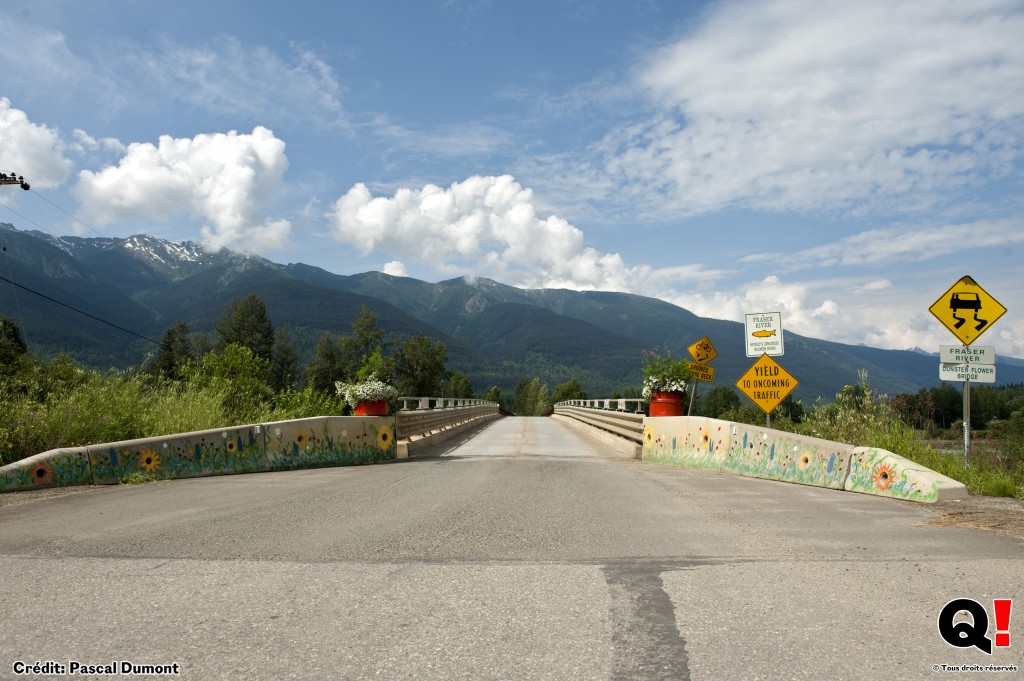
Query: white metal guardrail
{"points": [[623, 417], [421, 415]]}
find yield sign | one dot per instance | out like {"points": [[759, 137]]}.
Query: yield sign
{"points": [[967, 310], [766, 383]]}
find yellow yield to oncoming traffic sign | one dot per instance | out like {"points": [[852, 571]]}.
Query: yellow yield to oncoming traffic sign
{"points": [[766, 383], [967, 310]]}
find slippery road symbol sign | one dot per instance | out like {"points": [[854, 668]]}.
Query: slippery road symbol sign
{"points": [[967, 310]]}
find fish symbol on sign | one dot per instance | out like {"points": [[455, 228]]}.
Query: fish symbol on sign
{"points": [[763, 333]]}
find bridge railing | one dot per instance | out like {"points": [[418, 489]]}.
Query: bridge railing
{"points": [[422, 415], [622, 417]]}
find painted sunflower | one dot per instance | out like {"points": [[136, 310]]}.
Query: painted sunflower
{"points": [[149, 460], [232, 446], [648, 436], [41, 474], [705, 438], [804, 462], [301, 439], [385, 438], [883, 476]]}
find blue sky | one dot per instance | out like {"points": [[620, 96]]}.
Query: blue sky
{"points": [[843, 163]]}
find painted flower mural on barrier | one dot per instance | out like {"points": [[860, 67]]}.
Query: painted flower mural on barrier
{"points": [[878, 471], [63, 467], [212, 452], [793, 458], [341, 441], [682, 443], [304, 443]]}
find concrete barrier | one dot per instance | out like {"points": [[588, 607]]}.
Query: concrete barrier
{"points": [[54, 468], [687, 441], [778, 455], [741, 449], [421, 434], [329, 441], [221, 451], [880, 472], [283, 445]]}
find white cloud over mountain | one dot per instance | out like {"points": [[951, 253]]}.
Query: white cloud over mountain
{"points": [[483, 225], [222, 178], [30, 149]]}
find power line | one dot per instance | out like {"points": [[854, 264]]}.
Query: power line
{"points": [[68, 213], [83, 312], [13, 179], [14, 291]]}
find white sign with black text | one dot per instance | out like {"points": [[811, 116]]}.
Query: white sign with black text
{"points": [[975, 373], [960, 354], [764, 334]]}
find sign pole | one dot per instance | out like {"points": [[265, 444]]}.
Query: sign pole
{"points": [[693, 396], [967, 424]]}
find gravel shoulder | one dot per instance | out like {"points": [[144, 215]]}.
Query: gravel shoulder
{"points": [[1003, 515]]}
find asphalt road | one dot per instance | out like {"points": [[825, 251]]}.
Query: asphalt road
{"points": [[522, 551]]}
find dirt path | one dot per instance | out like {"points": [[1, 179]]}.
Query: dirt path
{"points": [[996, 514]]}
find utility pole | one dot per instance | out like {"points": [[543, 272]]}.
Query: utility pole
{"points": [[11, 178]]}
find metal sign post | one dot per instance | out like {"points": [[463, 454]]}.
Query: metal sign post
{"points": [[703, 352], [967, 424], [952, 308]]}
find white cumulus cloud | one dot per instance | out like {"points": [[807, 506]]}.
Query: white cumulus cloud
{"points": [[484, 225], [223, 179], [31, 149], [396, 269]]}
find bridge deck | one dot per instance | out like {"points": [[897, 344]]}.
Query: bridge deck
{"points": [[522, 551]]}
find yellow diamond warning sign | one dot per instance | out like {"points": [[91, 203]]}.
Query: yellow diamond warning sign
{"points": [[967, 310], [766, 383], [703, 351]]}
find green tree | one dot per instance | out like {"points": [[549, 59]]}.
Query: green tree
{"points": [[284, 365], [327, 365], [570, 390], [458, 386], [12, 346], [176, 351], [720, 400], [421, 366], [245, 322], [240, 377], [493, 394], [531, 398], [366, 335]]}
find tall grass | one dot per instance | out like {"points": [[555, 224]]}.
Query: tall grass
{"points": [[861, 417], [47, 405]]}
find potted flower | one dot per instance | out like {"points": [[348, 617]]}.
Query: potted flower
{"points": [[369, 394], [367, 397], [665, 382]]}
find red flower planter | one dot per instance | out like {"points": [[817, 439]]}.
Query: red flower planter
{"points": [[372, 408], [667, 404]]}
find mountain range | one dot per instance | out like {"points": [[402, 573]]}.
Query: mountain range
{"points": [[495, 334]]}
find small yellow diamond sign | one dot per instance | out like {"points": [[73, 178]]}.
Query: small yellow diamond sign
{"points": [[766, 383], [703, 351], [702, 372], [967, 310]]}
